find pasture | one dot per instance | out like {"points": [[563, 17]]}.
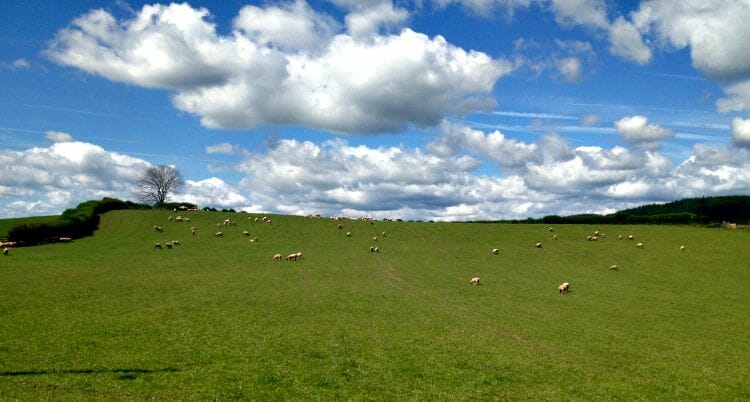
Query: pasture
{"points": [[109, 317]]}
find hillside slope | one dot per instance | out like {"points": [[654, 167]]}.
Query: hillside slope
{"points": [[110, 317]]}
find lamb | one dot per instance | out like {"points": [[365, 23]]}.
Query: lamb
{"points": [[682, 248], [564, 287], [219, 234], [377, 250], [254, 240], [596, 233], [614, 267], [474, 281], [639, 245], [277, 257], [538, 245], [495, 251]]}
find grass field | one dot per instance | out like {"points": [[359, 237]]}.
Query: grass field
{"points": [[108, 317]]}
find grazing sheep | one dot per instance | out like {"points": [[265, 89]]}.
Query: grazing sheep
{"points": [[169, 245], [538, 245], [186, 219], [682, 248], [5, 250], [169, 219], [474, 281], [176, 242], [158, 228], [193, 232], [593, 238], [551, 230], [377, 250], [218, 225], [245, 233], [554, 237], [65, 239], [603, 235], [619, 237], [276, 257], [375, 238], [631, 237], [383, 234], [596, 233], [614, 267], [348, 234], [219, 234], [564, 287], [292, 257], [157, 246], [639, 245], [340, 226], [372, 249], [299, 255], [254, 240], [495, 251]]}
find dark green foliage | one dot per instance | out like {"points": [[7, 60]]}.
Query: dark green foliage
{"points": [[73, 222]]}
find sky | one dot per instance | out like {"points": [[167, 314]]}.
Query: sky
{"points": [[446, 110]]}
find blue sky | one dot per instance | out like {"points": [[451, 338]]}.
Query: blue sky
{"points": [[431, 109]]}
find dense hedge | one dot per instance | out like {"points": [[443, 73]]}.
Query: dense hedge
{"points": [[73, 222]]}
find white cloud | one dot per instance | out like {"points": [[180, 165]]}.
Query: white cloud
{"points": [[741, 132], [494, 146], [366, 19], [223, 148], [262, 74], [626, 42], [42, 181], [486, 7], [213, 192], [570, 68], [637, 130], [716, 33], [580, 12], [738, 100], [20, 64], [58, 136], [590, 120]]}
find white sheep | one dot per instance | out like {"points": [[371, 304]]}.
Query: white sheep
{"points": [[564, 287], [474, 281], [340, 226], [614, 267], [219, 234], [631, 237], [245, 233], [158, 228], [593, 238], [194, 232], [538, 245], [348, 234], [682, 248], [6, 250], [639, 245], [383, 234], [292, 257], [551, 230], [619, 237], [276, 257], [299, 255], [176, 242], [554, 237], [168, 244], [157, 246], [495, 251], [377, 250], [596, 233]]}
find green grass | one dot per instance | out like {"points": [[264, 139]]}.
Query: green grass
{"points": [[109, 317]]}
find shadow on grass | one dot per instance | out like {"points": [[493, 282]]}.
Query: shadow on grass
{"points": [[125, 372]]}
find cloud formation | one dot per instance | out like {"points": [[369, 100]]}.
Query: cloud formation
{"points": [[284, 65], [637, 130], [741, 132]]}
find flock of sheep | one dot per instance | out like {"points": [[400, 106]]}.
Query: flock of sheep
{"points": [[565, 286]]}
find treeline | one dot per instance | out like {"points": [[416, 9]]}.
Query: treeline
{"points": [[704, 210], [76, 222]]}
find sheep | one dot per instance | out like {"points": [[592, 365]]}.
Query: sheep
{"points": [[245, 233], [495, 251], [277, 257], [176, 242], [348, 234], [383, 234], [614, 267], [554, 237], [593, 238], [538, 245], [631, 237], [596, 233], [375, 239], [619, 237], [186, 219], [340, 226], [292, 257], [603, 235], [158, 228], [377, 250], [564, 287], [169, 245], [194, 232], [474, 281], [682, 248], [157, 246], [169, 219], [551, 230], [254, 240], [65, 239], [219, 234], [639, 245], [374, 249], [299, 255], [6, 250]]}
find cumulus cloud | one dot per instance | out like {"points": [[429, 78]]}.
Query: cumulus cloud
{"points": [[20, 64], [637, 130], [485, 7], [590, 120], [214, 192], [264, 73], [570, 68], [626, 42], [738, 99], [367, 18], [41, 181], [58, 136], [494, 146], [741, 132]]}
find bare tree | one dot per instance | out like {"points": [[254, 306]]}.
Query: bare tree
{"points": [[157, 182]]}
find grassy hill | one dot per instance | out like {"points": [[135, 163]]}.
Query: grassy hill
{"points": [[110, 317]]}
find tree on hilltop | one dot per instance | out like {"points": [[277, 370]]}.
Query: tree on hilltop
{"points": [[157, 182]]}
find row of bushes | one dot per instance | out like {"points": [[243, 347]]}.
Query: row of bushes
{"points": [[74, 222]]}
